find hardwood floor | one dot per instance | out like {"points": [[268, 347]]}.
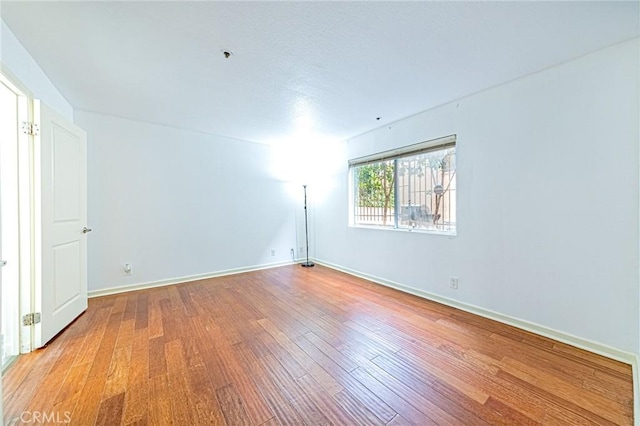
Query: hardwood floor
{"points": [[297, 346]]}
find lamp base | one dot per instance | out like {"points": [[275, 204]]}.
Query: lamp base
{"points": [[307, 264]]}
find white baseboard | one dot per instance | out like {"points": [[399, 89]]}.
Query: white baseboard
{"points": [[178, 280], [589, 345], [636, 390], [570, 339]]}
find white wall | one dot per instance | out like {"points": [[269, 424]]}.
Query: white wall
{"points": [[547, 201], [173, 203], [176, 203], [21, 65]]}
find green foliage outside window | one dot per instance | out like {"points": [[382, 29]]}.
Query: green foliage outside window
{"points": [[375, 185]]}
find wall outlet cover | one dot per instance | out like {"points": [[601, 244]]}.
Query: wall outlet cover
{"points": [[453, 282]]}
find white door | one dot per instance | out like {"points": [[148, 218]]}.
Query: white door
{"points": [[2, 263], [61, 221]]}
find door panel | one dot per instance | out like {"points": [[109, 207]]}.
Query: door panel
{"points": [[61, 292], [66, 269], [67, 175]]}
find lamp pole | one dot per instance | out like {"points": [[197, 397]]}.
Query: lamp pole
{"points": [[306, 264]]}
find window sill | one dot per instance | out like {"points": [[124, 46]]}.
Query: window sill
{"points": [[407, 230]]}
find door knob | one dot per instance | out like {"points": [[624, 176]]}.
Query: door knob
{"points": [[3, 263], [85, 230]]}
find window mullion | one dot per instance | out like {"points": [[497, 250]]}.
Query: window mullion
{"points": [[395, 194]]}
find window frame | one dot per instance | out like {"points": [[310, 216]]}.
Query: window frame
{"points": [[442, 143]]}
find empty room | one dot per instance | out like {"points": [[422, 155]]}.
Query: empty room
{"points": [[251, 212]]}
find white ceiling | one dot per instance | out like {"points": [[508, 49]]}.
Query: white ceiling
{"points": [[300, 68]]}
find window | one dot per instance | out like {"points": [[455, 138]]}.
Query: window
{"points": [[409, 188]]}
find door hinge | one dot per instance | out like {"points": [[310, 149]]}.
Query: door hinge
{"points": [[29, 128], [31, 319]]}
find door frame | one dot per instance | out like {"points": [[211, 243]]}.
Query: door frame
{"points": [[26, 210]]}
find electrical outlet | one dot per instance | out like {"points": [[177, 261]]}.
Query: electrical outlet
{"points": [[301, 249], [453, 282], [127, 269], [273, 252]]}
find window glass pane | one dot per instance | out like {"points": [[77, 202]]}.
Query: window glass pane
{"points": [[374, 194], [413, 189], [427, 191]]}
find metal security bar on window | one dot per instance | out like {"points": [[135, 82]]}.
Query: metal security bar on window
{"points": [[426, 190]]}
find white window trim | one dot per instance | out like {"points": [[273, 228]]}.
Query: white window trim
{"points": [[409, 150], [415, 149]]}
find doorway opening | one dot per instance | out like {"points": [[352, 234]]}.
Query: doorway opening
{"points": [[15, 220]]}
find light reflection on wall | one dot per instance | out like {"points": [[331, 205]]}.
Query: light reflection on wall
{"points": [[307, 159]]}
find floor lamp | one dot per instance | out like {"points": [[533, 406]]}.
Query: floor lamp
{"points": [[306, 264]]}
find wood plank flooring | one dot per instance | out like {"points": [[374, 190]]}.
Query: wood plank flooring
{"points": [[312, 346]]}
